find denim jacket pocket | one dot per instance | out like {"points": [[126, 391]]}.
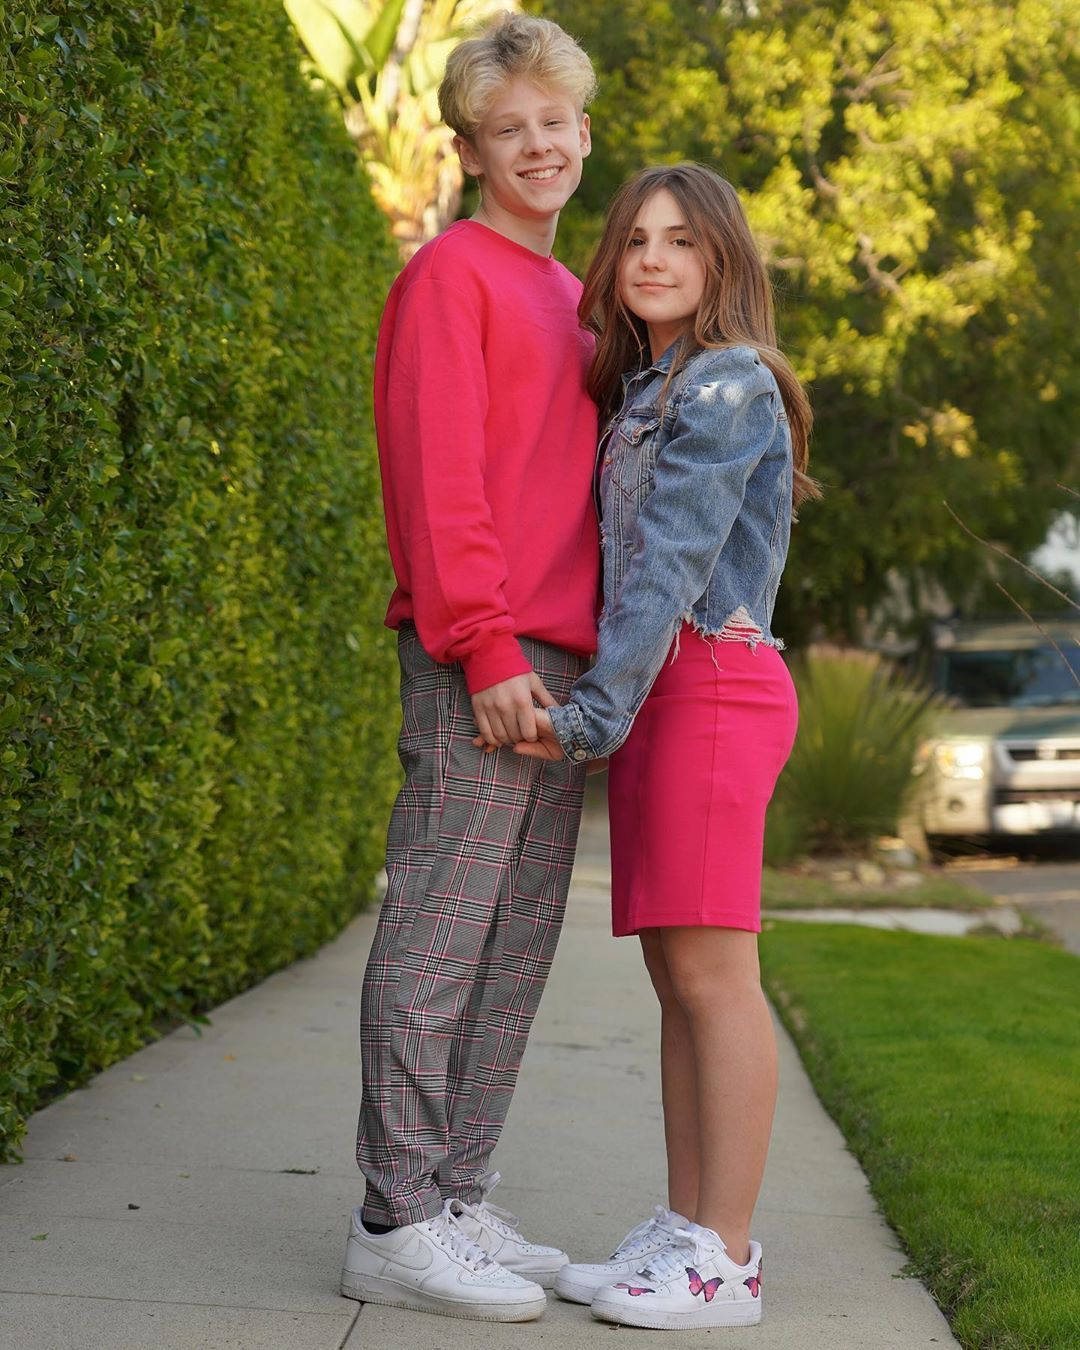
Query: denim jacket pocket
{"points": [[633, 454]]}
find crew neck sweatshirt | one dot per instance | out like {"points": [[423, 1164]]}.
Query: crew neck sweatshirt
{"points": [[487, 441]]}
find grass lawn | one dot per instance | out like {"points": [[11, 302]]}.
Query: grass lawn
{"points": [[784, 888], [952, 1065]]}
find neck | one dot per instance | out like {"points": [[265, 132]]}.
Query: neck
{"points": [[536, 235], [662, 335]]}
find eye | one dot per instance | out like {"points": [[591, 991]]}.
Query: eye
{"points": [[635, 243], [555, 122], [683, 243], [506, 130]]}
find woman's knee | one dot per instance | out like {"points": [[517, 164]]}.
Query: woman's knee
{"points": [[708, 968]]}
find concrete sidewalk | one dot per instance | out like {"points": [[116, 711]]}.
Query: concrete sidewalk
{"points": [[195, 1196]]}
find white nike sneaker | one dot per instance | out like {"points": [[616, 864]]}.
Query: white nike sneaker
{"points": [[496, 1232], [579, 1283], [691, 1283], [434, 1267]]}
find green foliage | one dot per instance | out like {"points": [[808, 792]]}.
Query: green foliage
{"points": [[850, 774], [951, 1064], [196, 695], [385, 60], [912, 174]]}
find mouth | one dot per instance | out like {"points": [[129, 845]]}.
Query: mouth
{"points": [[541, 175], [653, 286]]}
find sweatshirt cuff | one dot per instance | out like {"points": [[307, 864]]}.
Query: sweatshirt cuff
{"points": [[500, 658]]}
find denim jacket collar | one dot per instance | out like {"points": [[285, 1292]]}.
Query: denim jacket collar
{"points": [[660, 366]]}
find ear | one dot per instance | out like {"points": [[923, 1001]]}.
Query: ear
{"points": [[585, 136], [466, 152]]}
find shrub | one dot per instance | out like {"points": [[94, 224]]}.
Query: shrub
{"points": [[197, 697], [850, 773]]}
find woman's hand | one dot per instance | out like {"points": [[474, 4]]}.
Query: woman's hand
{"points": [[546, 745]]}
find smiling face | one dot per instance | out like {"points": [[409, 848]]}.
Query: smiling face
{"points": [[527, 151], [662, 271]]}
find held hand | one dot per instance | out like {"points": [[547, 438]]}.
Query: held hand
{"points": [[539, 693], [546, 746], [504, 712]]}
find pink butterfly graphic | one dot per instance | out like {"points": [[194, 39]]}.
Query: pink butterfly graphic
{"points": [[698, 1285], [634, 1291], [753, 1282]]}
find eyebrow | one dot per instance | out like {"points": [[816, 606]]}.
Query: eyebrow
{"points": [[517, 116], [668, 229]]}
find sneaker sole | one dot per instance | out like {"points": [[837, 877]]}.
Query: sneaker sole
{"points": [[742, 1314], [544, 1278], [375, 1289], [577, 1290]]}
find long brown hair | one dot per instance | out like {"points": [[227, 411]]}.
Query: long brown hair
{"points": [[736, 306]]}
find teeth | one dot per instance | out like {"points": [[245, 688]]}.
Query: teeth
{"points": [[538, 175]]}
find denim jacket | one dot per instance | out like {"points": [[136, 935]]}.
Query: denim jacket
{"points": [[695, 506]]}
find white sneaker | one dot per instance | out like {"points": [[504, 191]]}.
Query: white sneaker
{"points": [[579, 1283], [433, 1267], [691, 1283], [495, 1231]]}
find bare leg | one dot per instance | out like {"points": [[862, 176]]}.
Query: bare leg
{"points": [[715, 977], [678, 1080]]}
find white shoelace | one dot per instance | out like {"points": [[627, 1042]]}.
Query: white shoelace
{"points": [[645, 1235], [683, 1250], [454, 1240], [504, 1223]]}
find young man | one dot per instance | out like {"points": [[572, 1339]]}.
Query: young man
{"points": [[486, 442]]}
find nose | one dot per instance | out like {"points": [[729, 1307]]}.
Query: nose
{"points": [[651, 257], [537, 140]]}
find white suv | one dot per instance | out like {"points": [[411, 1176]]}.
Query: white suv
{"points": [[1005, 759]]}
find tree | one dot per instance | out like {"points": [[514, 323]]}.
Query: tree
{"points": [[911, 173], [385, 61]]}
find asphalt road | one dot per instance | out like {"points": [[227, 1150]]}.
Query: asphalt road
{"points": [[1048, 890]]}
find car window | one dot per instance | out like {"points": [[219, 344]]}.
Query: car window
{"points": [[1024, 678]]}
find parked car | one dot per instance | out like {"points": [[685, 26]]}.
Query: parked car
{"points": [[1005, 759]]}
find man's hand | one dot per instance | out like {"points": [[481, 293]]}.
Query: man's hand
{"points": [[546, 745], [505, 713]]}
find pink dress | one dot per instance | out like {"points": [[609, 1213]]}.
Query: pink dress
{"points": [[688, 789]]}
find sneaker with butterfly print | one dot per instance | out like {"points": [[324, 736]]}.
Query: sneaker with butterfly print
{"points": [[691, 1283], [579, 1283]]}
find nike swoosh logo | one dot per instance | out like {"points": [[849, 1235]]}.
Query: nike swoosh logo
{"points": [[417, 1256]]}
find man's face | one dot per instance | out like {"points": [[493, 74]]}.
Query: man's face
{"points": [[528, 150]]}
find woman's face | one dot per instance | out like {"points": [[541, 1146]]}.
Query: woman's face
{"points": [[662, 273]]}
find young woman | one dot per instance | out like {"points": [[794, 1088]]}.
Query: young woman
{"points": [[701, 463]]}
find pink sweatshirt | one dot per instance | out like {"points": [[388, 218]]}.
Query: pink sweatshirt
{"points": [[487, 439]]}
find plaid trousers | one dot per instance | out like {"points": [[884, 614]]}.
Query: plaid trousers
{"points": [[478, 861]]}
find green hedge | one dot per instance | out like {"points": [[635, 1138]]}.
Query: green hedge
{"points": [[197, 698]]}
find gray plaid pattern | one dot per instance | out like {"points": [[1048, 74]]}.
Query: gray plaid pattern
{"points": [[478, 862]]}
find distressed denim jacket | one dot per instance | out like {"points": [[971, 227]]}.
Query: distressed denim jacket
{"points": [[695, 505]]}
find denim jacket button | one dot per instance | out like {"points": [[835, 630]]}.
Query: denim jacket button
{"points": [[580, 754]]}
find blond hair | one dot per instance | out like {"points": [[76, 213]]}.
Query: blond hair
{"points": [[736, 306], [515, 45]]}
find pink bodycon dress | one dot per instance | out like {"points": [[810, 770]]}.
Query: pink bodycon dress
{"points": [[688, 789]]}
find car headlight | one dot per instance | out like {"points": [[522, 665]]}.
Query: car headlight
{"points": [[961, 759]]}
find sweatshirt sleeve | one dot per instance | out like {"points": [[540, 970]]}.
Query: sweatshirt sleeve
{"points": [[437, 401]]}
